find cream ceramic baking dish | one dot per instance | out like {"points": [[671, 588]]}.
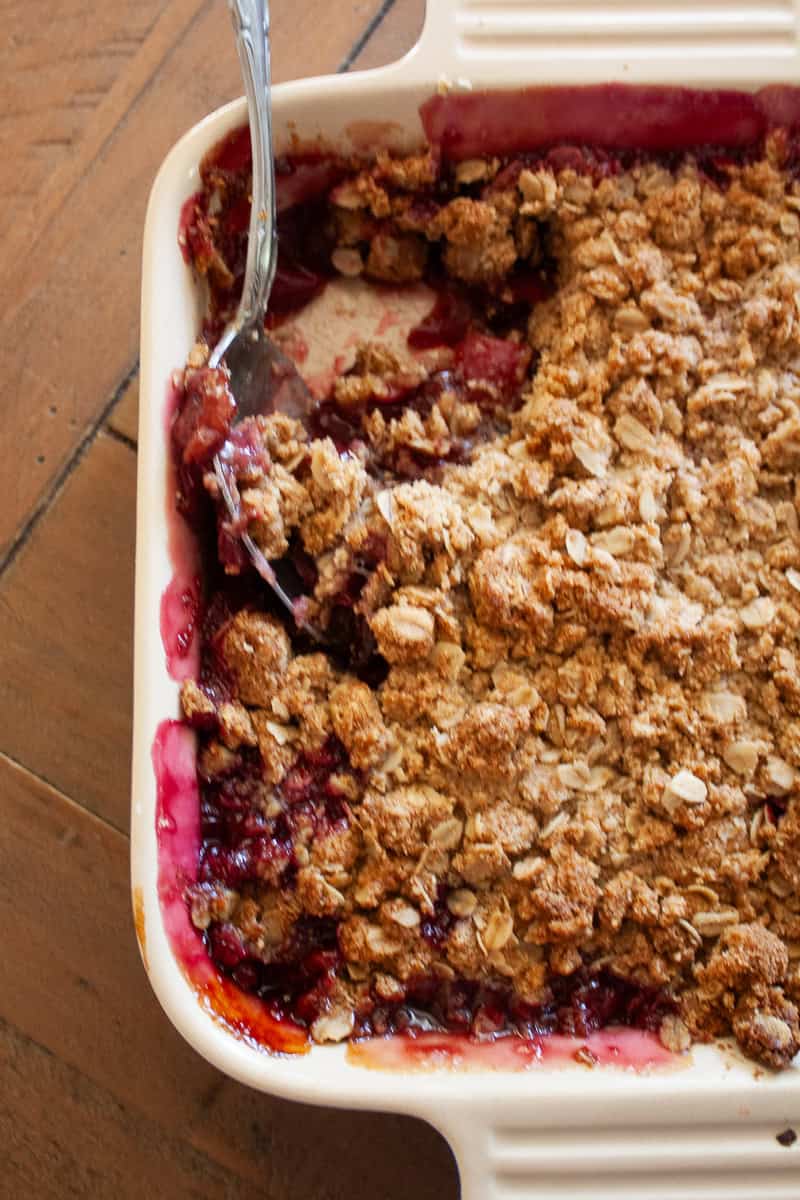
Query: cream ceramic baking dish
{"points": [[705, 1130]]}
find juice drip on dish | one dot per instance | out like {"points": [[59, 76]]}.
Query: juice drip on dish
{"points": [[181, 599], [625, 1049], [178, 834]]}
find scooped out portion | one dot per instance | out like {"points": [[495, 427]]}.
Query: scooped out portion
{"points": [[542, 774]]}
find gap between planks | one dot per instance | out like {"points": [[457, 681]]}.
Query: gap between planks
{"points": [[62, 478], [35, 780], [361, 41]]}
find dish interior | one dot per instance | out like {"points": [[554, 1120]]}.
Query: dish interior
{"points": [[568, 381]]}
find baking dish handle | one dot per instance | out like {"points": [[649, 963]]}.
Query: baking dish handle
{"points": [[471, 42], [684, 1152]]}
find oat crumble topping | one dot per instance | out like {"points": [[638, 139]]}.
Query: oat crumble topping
{"points": [[567, 743]]}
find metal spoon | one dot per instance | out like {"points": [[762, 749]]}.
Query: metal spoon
{"points": [[263, 379]]}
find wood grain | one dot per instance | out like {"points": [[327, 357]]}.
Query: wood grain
{"points": [[84, 1000], [55, 74], [64, 1137], [66, 610]]}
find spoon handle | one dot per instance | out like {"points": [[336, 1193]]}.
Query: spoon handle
{"points": [[251, 26]]}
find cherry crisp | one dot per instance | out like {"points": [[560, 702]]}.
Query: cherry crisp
{"points": [[543, 772]]}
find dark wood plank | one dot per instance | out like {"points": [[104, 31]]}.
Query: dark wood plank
{"points": [[62, 1136], [66, 610], [77, 989]]}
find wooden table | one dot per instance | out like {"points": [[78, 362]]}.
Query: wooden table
{"points": [[99, 1097]]}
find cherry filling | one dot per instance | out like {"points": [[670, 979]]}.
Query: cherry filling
{"points": [[240, 843], [216, 242], [299, 984], [200, 429], [446, 324], [353, 644], [488, 371], [242, 847], [437, 925], [344, 425], [578, 1005]]}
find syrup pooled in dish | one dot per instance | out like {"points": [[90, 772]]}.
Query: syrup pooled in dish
{"points": [[542, 775]]}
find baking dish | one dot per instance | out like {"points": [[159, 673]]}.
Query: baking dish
{"points": [[705, 1129]]}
